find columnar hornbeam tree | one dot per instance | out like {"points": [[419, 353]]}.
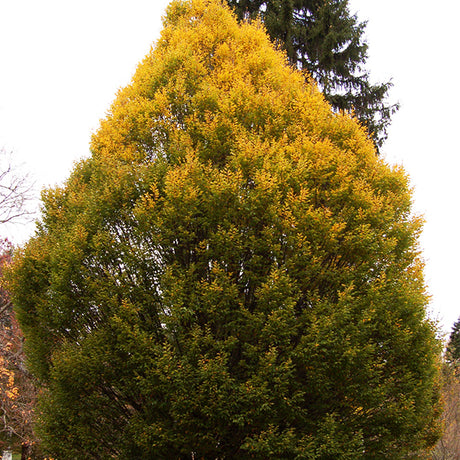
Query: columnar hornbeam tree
{"points": [[232, 273]]}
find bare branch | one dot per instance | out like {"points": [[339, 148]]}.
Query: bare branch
{"points": [[16, 191]]}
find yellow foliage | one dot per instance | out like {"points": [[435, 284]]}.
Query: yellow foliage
{"points": [[228, 224]]}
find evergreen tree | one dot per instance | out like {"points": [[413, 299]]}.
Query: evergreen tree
{"points": [[453, 347], [233, 273], [322, 37]]}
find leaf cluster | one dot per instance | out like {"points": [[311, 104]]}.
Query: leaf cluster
{"points": [[325, 40]]}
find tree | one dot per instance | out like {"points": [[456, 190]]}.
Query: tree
{"points": [[322, 37], [453, 346], [15, 191], [448, 447], [17, 391], [232, 273]]}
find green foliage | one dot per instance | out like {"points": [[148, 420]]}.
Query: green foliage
{"points": [[322, 38], [233, 273]]}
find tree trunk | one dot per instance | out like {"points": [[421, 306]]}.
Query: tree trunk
{"points": [[27, 451]]}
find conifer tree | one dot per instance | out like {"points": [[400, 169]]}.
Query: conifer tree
{"points": [[232, 273], [322, 37], [453, 346]]}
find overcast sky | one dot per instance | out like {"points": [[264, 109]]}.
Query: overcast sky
{"points": [[62, 63]]}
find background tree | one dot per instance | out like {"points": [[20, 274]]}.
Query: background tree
{"points": [[448, 447], [17, 391], [233, 273], [322, 37], [15, 191], [453, 345]]}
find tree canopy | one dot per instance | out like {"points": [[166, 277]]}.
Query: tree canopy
{"points": [[323, 38], [232, 273]]}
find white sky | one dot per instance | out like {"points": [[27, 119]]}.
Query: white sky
{"points": [[62, 63]]}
